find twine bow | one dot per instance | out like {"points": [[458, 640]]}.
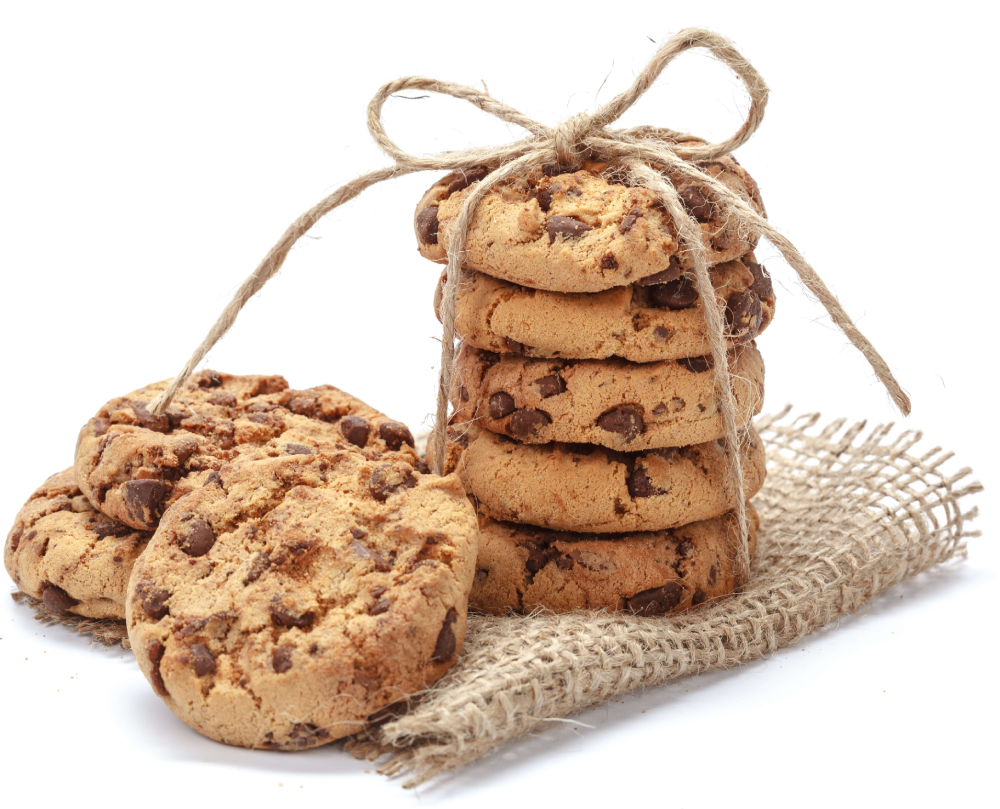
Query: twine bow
{"points": [[582, 136]]}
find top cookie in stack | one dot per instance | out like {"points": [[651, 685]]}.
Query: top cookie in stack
{"points": [[586, 423]]}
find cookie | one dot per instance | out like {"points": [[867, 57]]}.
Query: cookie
{"points": [[133, 465], [583, 487], [521, 568], [642, 322], [615, 403], [293, 597], [582, 231], [70, 556]]}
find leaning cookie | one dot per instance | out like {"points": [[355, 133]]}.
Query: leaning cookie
{"points": [[613, 403], [659, 318], [132, 465], [294, 596], [583, 487], [521, 568], [71, 557], [581, 231]]}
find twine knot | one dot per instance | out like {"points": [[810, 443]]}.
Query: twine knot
{"points": [[569, 139]]}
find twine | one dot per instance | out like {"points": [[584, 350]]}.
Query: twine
{"points": [[584, 135]]}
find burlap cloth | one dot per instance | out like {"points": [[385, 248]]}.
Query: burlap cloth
{"points": [[844, 513]]}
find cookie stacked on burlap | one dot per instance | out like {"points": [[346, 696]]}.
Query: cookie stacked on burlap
{"points": [[586, 424], [288, 569]]}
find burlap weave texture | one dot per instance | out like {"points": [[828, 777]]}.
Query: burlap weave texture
{"points": [[845, 513]]}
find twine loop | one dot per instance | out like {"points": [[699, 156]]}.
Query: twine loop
{"points": [[581, 136]]}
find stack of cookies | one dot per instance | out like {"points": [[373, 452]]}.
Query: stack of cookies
{"points": [[586, 425], [287, 568]]}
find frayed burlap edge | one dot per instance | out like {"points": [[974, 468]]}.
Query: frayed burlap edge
{"points": [[844, 515], [104, 631]]}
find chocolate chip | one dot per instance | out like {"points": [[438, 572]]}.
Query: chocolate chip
{"points": [[544, 197], [380, 606], [463, 392], [501, 405], [395, 434], [657, 600], [427, 225], [110, 528], [100, 426], [281, 658], [675, 295], [467, 178], [712, 574], [697, 365], [513, 346], [154, 653], [210, 379], [566, 226], [698, 597], [564, 563], [359, 533], [685, 548], [640, 485], [362, 550], [446, 644], [56, 599], [663, 332], [678, 404], [761, 280], [299, 449], [625, 420], [526, 423], [743, 314], [672, 273], [629, 221], [203, 659], [199, 540], [282, 617], [159, 424], [260, 563], [15, 538], [696, 203], [387, 479], [213, 477], [142, 497], [154, 601], [551, 385], [355, 430], [609, 262]]}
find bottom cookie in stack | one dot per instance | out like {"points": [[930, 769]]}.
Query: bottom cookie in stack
{"points": [[521, 567]]}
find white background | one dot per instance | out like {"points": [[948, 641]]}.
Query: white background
{"points": [[149, 157]]}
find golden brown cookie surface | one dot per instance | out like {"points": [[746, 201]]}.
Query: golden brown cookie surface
{"points": [[294, 596], [582, 487], [133, 465], [70, 556], [642, 322], [521, 568], [614, 403], [581, 231]]}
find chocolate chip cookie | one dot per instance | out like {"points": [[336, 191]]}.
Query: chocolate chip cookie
{"points": [[295, 596], [70, 556], [660, 318], [583, 487], [521, 568], [132, 465], [582, 231], [617, 404]]}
